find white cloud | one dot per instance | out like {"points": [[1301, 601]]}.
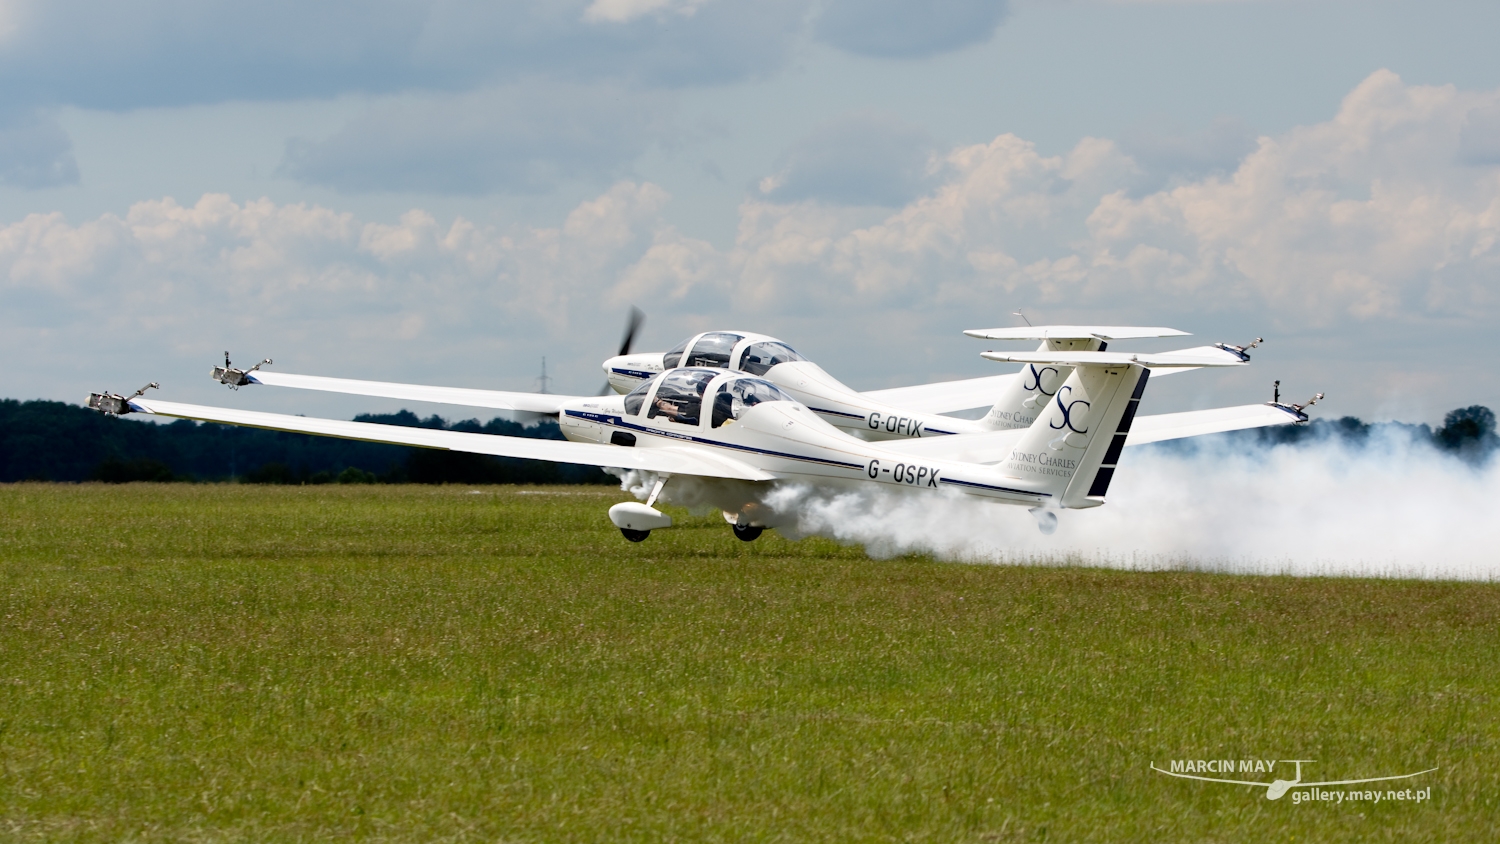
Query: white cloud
{"points": [[171, 283], [1373, 213]]}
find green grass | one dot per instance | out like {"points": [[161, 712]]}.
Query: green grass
{"points": [[415, 664]]}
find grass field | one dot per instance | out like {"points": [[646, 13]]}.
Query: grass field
{"points": [[424, 663]]}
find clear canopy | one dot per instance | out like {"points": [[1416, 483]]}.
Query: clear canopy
{"points": [[635, 397], [713, 350], [760, 357], [741, 394], [680, 397], [673, 359]]}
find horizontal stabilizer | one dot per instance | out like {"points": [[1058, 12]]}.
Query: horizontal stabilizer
{"points": [[1073, 332], [996, 446], [496, 399], [973, 393], [667, 460], [1200, 357]]}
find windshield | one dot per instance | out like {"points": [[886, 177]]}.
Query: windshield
{"points": [[713, 350], [634, 398], [759, 358], [671, 359], [680, 397], [740, 395]]}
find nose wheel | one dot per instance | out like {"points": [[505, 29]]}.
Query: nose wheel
{"points": [[635, 535], [747, 533]]}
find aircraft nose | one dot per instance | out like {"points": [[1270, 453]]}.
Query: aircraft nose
{"points": [[1278, 788]]}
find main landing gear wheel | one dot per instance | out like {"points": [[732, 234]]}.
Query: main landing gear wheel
{"points": [[748, 533], [635, 535]]}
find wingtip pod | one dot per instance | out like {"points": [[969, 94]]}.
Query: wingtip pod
{"points": [[115, 404], [234, 378], [1298, 411]]}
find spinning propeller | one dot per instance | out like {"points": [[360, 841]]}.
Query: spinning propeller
{"points": [[632, 326]]}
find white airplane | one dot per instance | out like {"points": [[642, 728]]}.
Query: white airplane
{"points": [[900, 413], [704, 435], [903, 412]]}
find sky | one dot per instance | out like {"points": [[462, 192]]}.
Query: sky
{"points": [[448, 192]]}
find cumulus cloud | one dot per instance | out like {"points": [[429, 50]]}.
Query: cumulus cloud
{"points": [[519, 139], [170, 283], [864, 158], [1369, 214], [905, 30], [35, 152], [1375, 213]]}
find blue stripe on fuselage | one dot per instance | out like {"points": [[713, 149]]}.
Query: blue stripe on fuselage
{"points": [[996, 488]]}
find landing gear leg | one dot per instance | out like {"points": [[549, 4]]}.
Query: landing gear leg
{"points": [[748, 533], [635, 535]]}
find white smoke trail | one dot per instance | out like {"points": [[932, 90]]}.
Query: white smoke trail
{"points": [[1390, 507]]}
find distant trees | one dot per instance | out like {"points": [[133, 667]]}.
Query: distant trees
{"points": [[1468, 433], [54, 441]]}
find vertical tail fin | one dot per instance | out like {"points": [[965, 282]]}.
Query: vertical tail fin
{"points": [[1027, 396], [1070, 451]]}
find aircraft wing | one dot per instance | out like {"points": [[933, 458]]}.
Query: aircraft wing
{"points": [[499, 400], [675, 460], [944, 396], [995, 446], [1193, 423]]}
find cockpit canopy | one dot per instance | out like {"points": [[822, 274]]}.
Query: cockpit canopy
{"points": [[737, 396], [712, 349], [758, 358], [716, 349], [636, 397], [680, 394]]}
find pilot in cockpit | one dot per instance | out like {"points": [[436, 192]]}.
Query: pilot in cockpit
{"points": [[674, 412]]}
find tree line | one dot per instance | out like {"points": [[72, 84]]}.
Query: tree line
{"points": [[56, 441], [1467, 433]]}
